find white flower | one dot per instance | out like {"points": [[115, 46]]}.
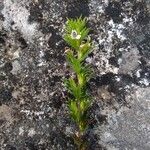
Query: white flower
{"points": [[75, 35]]}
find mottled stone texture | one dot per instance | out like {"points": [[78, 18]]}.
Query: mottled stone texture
{"points": [[33, 100]]}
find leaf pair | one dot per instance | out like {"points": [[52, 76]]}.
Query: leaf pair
{"points": [[84, 50], [74, 89], [85, 75], [83, 72], [73, 62], [78, 111]]}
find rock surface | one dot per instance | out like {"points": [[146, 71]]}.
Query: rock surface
{"points": [[33, 105]]}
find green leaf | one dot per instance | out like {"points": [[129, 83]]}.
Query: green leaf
{"points": [[84, 75], [72, 42], [84, 105], [74, 112], [84, 32], [73, 62], [78, 111], [84, 50], [78, 26], [73, 88]]}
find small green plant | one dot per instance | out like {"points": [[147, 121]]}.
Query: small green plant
{"points": [[76, 35]]}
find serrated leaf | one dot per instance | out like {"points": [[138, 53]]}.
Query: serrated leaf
{"points": [[85, 75], [84, 104], [73, 88], [73, 62], [75, 114], [84, 51], [72, 42], [84, 32], [79, 26]]}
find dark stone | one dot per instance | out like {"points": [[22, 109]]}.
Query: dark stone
{"points": [[2, 41], [36, 86], [144, 47], [2, 121], [77, 8], [23, 42], [57, 100], [58, 137], [5, 94], [92, 142], [48, 56], [143, 16], [2, 78], [35, 13], [30, 144], [113, 61], [10, 147], [53, 80], [118, 88], [12, 23], [56, 55], [102, 119], [8, 67], [104, 79], [55, 42], [113, 10], [54, 38], [14, 80]]}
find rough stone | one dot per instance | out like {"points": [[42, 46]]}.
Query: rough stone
{"points": [[129, 128], [33, 65]]}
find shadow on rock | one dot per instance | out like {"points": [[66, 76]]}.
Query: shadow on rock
{"points": [[77, 8]]}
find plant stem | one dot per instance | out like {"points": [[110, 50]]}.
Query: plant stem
{"points": [[76, 33]]}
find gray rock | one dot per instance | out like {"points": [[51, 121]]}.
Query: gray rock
{"points": [[33, 65], [129, 128], [16, 67], [16, 13], [130, 61]]}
